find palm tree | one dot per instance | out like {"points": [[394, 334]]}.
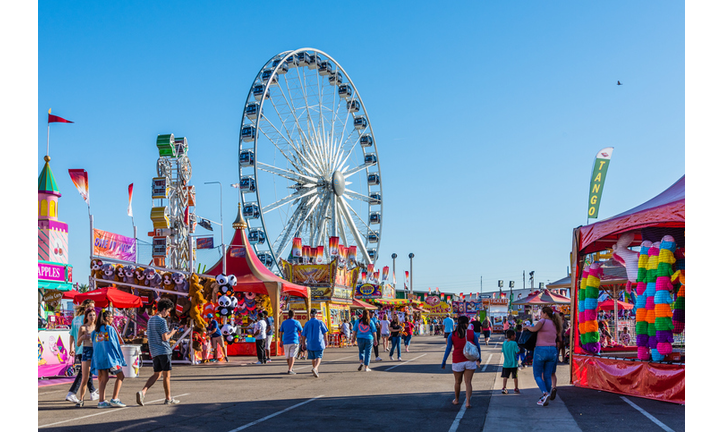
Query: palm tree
{"points": [[82, 288]]}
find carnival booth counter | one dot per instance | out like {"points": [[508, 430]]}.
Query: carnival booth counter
{"points": [[649, 240]]}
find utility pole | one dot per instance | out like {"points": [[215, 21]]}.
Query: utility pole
{"points": [[480, 284]]}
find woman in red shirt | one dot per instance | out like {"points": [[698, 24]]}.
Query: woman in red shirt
{"points": [[461, 365]]}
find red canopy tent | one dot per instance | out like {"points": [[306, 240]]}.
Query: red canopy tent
{"points": [[609, 305], [103, 296], [658, 381], [253, 276], [70, 294]]}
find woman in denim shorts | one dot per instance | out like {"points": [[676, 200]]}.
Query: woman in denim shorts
{"points": [[85, 339]]}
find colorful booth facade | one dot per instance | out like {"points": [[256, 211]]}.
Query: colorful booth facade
{"points": [[657, 274], [330, 287]]}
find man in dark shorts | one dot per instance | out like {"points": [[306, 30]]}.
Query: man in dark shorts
{"points": [[158, 343]]}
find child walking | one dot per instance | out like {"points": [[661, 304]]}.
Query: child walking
{"points": [[509, 367], [107, 358]]}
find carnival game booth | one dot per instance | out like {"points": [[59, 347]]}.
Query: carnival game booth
{"points": [[650, 240], [259, 289], [331, 288]]}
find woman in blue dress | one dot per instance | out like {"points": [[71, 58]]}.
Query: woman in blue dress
{"points": [[107, 358]]}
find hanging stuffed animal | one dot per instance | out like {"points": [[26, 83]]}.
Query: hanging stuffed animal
{"points": [[179, 279], [225, 306], [153, 278], [108, 275], [139, 276], [228, 332], [119, 271], [96, 268], [248, 305], [224, 287], [195, 293], [641, 322], [628, 258], [128, 274], [664, 300], [167, 282]]}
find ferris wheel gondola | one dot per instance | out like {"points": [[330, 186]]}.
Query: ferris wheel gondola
{"points": [[308, 160]]}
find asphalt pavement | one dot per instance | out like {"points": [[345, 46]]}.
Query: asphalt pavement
{"points": [[413, 394]]}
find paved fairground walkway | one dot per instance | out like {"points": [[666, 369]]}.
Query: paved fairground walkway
{"points": [[413, 394]]}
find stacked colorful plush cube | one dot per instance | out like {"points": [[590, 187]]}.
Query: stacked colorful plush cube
{"points": [[679, 305], [589, 334], [641, 323], [650, 280], [581, 301], [664, 300]]}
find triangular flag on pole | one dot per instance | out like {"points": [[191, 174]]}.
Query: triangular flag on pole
{"points": [[80, 180], [55, 119]]}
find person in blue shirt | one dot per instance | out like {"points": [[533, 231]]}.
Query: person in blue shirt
{"points": [[315, 338], [365, 333], [289, 332], [214, 333], [448, 327]]}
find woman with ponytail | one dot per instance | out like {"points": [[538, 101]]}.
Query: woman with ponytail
{"points": [[461, 366]]}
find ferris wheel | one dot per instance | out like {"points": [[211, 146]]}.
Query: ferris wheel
{"points": [[308, 161]]}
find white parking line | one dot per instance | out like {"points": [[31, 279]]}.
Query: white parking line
{"points": [[460, 414], [487, 363], [105, 411], [648, 415], [397, 365], [328, 361], [274, 414]]}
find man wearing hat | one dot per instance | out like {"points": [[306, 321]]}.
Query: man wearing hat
{"points": [[214, 333]]}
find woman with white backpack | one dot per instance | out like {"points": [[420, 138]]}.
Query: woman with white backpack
{"points": [[465, 357]]}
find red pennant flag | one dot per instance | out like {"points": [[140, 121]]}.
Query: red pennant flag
{"points": [[55, 119]]}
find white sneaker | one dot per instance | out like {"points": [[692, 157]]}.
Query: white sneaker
{"points": [[379, 359], [367, 370], [71, 397], [315, 372], [95, 396]]}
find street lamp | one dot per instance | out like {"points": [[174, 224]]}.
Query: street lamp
{"points": [[223, 245], [394, 269], [411, 290]]}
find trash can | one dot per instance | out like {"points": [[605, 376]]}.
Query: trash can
{"points": [[132, 356]]}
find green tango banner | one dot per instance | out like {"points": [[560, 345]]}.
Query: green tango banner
{"points": [[597, 181]]}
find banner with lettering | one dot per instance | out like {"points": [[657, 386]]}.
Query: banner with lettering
{"points": [[597, 181], [106, 244]]}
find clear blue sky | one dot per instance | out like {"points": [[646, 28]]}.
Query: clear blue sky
{"points": [[487, 115]]}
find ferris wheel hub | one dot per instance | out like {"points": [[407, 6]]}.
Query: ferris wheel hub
{"points": [[338, 182]]}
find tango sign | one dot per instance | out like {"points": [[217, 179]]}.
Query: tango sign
{"points": [[597, 181]]}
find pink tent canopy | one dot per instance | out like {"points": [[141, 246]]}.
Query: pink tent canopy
{"points": [[666, 210], [544, 297]]}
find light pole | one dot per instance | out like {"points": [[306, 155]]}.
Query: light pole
{"points": [[394, 269], [223, 245], [411, 276]]}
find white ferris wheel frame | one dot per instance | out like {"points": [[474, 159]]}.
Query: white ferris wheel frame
{"points": [[317, 152]]}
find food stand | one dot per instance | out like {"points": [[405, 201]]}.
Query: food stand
{"points": [[642, 226]]}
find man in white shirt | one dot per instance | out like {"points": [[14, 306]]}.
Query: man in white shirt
{"points": [[260, 336]]}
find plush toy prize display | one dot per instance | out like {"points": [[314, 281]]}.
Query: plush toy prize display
{"points": [[588, 306]]}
